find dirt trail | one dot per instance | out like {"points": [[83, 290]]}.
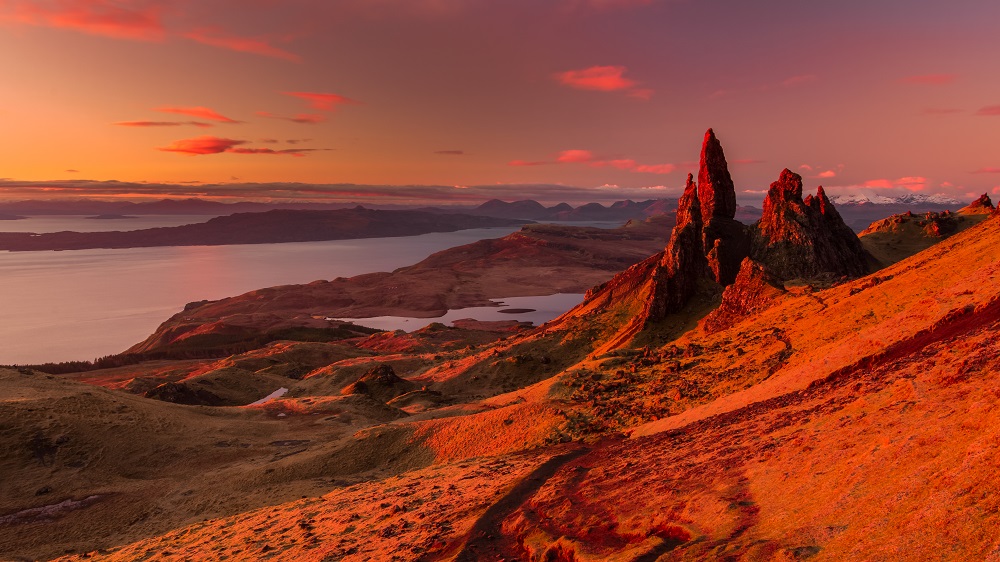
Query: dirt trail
{"points": [[482, 541]]}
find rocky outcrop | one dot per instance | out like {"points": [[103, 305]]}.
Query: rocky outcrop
{"points": [[753, 291], [707, 243], [381, 383], [798, 238], [684, 260], [981, 206], [725, 240]]}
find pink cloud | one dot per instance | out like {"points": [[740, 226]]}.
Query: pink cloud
{"points": [[217, 145], [216, 37], [827, 174], [987, 170], [571, 156], [323, 102], [202, 145], [655, 168], [600, 78], [197, 112], [138, 21], [297, 152], [990, 110], [621, 164], [929, 79], [912, 183], [161, 123]]}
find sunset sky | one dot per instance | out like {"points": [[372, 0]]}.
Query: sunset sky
{"points": [[870, 96]]}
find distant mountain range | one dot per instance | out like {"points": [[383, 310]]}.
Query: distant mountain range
{"points": [[908, 199], [280, 225], [161, 207], [858, 210]]}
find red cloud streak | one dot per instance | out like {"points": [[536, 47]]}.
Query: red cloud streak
{"points": [[161, 123], [323, 102], [990, 110], [198, 112], [218, 38], [140, 21], [202, 145], [216, 145], [600, 78]]}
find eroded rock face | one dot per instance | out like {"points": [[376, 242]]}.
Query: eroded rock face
{"points": [[981, 206], [381, 383], [798, 238], [684, 260], [753, 291]]}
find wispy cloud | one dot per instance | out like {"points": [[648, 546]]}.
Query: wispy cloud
{"points": [[578, 156], [323, 101], [216, 37], [929, 79], [910, 183], [202, 145], [987, 170], [603, 79], [138, 20], [197, 112], [216, 145], [654, 168], [571, 156], [162, 123], [600, 78], [989, 110]]}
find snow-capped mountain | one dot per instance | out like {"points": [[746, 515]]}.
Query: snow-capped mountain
{"points": [[908, 199]]}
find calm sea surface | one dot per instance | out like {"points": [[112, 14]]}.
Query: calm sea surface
{"points": [[83, 304]]}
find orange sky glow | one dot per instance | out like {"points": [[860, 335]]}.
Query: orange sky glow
{"points": [[419, 100]]}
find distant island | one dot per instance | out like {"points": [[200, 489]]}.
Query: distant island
{"points": [[261, 228], [112, 217]]}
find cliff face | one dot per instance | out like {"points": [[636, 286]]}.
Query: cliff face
{"points": [[798, 238]]}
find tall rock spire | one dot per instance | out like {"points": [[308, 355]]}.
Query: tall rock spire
{"points": [[716, 191], [725, 240], [683, 263]]}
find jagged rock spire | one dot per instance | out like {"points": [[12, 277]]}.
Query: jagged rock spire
{"points": [[683, 261], [715, 186], [798, 238], [726, 241]]}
